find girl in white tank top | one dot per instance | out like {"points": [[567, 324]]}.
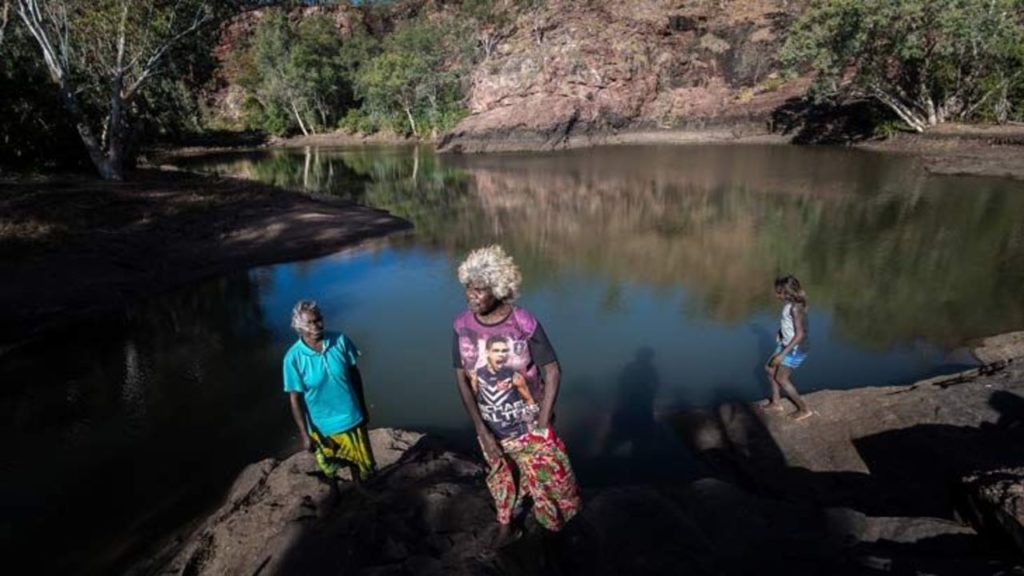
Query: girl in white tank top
{"points": [[791, 349]]}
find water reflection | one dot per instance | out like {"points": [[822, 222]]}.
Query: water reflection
{"points": [[115, 429], [895, 254], [651, 266], [660, 260]]}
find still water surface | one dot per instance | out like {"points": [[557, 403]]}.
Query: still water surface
{"points": [[650, 268]]}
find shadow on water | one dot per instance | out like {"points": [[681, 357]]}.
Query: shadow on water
{"points": [[632, 420], [635, 446]]}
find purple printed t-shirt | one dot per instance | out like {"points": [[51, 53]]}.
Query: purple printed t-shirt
{"points": [[502, 361]]}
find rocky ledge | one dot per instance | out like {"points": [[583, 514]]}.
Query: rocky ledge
{"points": [[919, 479]]}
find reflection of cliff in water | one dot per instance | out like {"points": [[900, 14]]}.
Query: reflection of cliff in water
{"points": [[139, 419], [893, 253]]}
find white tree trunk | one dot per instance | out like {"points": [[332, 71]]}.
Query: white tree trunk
{"points": [[3, 20], [302, 125], [908, 115], [50, 25], [412, 123]]}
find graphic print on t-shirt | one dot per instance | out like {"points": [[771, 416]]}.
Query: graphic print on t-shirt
{"points": [[502, 393], [501, 362]]}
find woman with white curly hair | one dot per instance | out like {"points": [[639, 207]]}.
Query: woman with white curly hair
{"points": [[499, 352]]}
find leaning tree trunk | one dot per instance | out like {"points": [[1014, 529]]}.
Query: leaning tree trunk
{"points": [[106, 169], [302, 125], [412, 123], [116, 129], [905, 112]]}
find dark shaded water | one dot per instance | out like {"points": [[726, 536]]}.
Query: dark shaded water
{"points": [[650, 267]]}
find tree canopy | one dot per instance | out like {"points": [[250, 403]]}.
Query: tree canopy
{"points": [[293, 74], [929, 61], [104, 58]]}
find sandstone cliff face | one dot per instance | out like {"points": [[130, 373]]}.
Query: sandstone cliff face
{"points": [[573, 72], [556, 73]]}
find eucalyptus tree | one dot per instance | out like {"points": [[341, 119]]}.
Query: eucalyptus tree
{"points": [[418, 73], [929, 61], [293, 70], [102, 54]]}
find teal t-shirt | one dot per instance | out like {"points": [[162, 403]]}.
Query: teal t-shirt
{"points": [[323, 379]]}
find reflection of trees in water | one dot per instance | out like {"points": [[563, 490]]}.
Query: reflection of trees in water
{"points": [[895, 253], [140, 414]]}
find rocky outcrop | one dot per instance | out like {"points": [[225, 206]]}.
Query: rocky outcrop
{"points": [[271, 508], [560, 73], [995, 503], [579, 73], [871, 484], [1000, 349]]}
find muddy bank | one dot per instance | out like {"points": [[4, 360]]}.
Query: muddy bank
{"points": [[75, 246], [963, 150], [559, 137], [877, 482], [954, 150]]}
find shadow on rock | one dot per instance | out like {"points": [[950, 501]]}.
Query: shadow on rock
{"points": [[897, 516]]}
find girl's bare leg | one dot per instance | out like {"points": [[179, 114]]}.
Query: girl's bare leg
{"points": [[782, 377], [775, 402]]}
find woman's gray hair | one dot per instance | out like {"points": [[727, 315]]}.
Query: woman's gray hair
{"points": [[492, 268], [298, 323]]}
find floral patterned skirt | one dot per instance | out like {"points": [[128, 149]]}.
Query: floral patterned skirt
{"points": [[540, 461]]}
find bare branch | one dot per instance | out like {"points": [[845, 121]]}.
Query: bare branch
{"points": [[3, 20], [28, 10], [201, 16]]}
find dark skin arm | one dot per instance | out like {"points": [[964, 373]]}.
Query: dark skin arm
{"points": [[491, 447], [524, 390], [798, 335], [356, 377], [299, 416], [552, 378]]}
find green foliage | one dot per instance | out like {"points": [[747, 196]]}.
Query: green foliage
{"points": [[149, 91], [34, 130], [414, 83], [929, 61], [890, 128], [358, 122], [294, 74]]}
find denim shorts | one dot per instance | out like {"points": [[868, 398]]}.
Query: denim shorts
{"points": [[795, 357]]}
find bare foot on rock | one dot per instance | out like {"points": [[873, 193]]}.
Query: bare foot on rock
{"points": [[801, 415], [770, 405], [506, 535]]}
